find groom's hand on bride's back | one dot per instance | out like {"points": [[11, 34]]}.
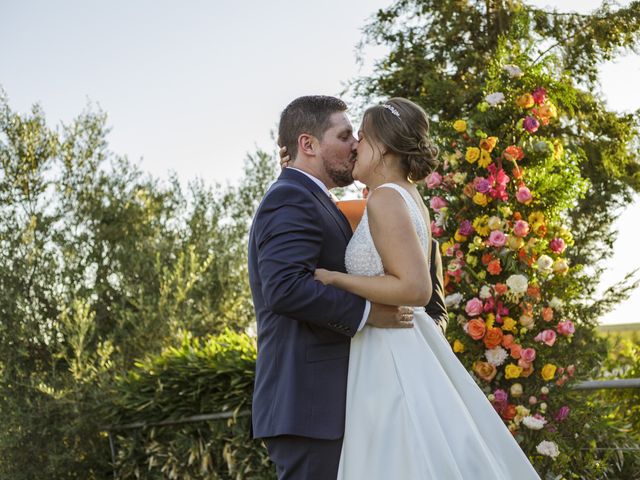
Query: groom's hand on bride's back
{"points": [[387, 316]]}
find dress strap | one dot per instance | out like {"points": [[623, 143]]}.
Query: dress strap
{"points": [[413, 207]]}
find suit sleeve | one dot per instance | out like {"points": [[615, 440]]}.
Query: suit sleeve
{"points": [[289, 241], [436, 307]]}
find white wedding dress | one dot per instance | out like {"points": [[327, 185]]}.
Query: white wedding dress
{"points": [[413, 410]]}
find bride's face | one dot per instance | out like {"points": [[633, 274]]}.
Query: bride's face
{"points": [[369, 155]]}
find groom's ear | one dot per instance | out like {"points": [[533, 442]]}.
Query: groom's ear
{"points": [[307, 144]]}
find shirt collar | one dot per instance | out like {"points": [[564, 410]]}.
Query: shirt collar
{"points": [[316, 181]]}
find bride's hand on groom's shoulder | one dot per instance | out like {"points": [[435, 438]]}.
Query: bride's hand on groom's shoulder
{"points": [[324, 276], [285, 159]]}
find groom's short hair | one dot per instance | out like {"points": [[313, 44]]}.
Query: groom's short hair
{"points": [[310, 114]]}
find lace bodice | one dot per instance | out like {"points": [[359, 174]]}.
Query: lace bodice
{"points": [[361, 256]]}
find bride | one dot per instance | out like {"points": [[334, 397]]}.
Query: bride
{"points": [[413, 411]]}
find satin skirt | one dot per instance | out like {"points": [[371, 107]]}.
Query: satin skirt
{"points": [[414, 412]]}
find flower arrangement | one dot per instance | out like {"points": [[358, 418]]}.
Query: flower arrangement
{"points": [[497, 204]]}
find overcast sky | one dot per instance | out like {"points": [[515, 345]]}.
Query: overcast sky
{"points": [[194, 86]]}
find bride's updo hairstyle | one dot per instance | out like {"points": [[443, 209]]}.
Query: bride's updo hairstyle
{"points": [[403, 128]]}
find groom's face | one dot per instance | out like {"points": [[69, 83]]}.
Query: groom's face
{"points": [[338, 150]]}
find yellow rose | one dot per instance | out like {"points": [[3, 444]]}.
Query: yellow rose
{"points": [[525, 101], [512, 371], [488, 143], [514, 243], [516, 391], [508, 324], [480, 199], [485, 159], [471, 260], [445, 246], [473, 153], [458, 237], [548, 110], [460, 126], [548, 371], [458, 346]]}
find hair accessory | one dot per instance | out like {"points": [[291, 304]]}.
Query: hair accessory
{"points": [[392, 109]]}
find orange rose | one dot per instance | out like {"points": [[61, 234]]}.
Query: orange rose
{"points": [[513, 153], [493, 337], [533, 291], [515, 348], [494, 267], [485, 370], [507, 340], [547, 314], [527, 371], [509, 412], [476, 328], [486, 258], [501, 288]]}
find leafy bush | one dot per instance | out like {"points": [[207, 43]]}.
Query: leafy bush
{"points": [[209, 376]]}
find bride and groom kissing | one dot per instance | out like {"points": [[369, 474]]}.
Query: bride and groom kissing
{"points": [[354, 377]]}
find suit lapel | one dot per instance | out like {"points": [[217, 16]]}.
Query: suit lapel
{"points": [[323, 198]]}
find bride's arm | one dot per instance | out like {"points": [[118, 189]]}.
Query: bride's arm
{"points": [[406, 280]]}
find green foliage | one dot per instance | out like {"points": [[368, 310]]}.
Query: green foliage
{"points": [[100, 265], [196, 377]]}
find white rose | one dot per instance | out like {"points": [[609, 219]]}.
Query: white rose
{"points": [[545, 262], [533, 423], [453, 300], [517, 283], [485, 292], [513, 70], [494, 99], [549, 449]]}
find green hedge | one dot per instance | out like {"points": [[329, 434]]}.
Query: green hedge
{"points": [[199, 377]]}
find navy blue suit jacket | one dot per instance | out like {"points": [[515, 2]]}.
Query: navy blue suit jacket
{"points": [[304, 327]]}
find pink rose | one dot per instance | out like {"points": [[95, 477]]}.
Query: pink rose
{"points": [[521, 228], [481, 184], [528, 355], [566, 328], [437, 203], [530, 124], [434, 180], [436, 230], [539, 95], [474, 307], [523, 195], [500, 396], [557, 245], [497, 239], [547, 337]]}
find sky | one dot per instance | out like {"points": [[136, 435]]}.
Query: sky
{"points": [[193, 87]]}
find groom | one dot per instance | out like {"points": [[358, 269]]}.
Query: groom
{"points": [[305, 327]]}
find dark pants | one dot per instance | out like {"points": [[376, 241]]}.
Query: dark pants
{"points": [[302, 458]]}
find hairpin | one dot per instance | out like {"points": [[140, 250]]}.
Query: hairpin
{"points": [[392, 109]]}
